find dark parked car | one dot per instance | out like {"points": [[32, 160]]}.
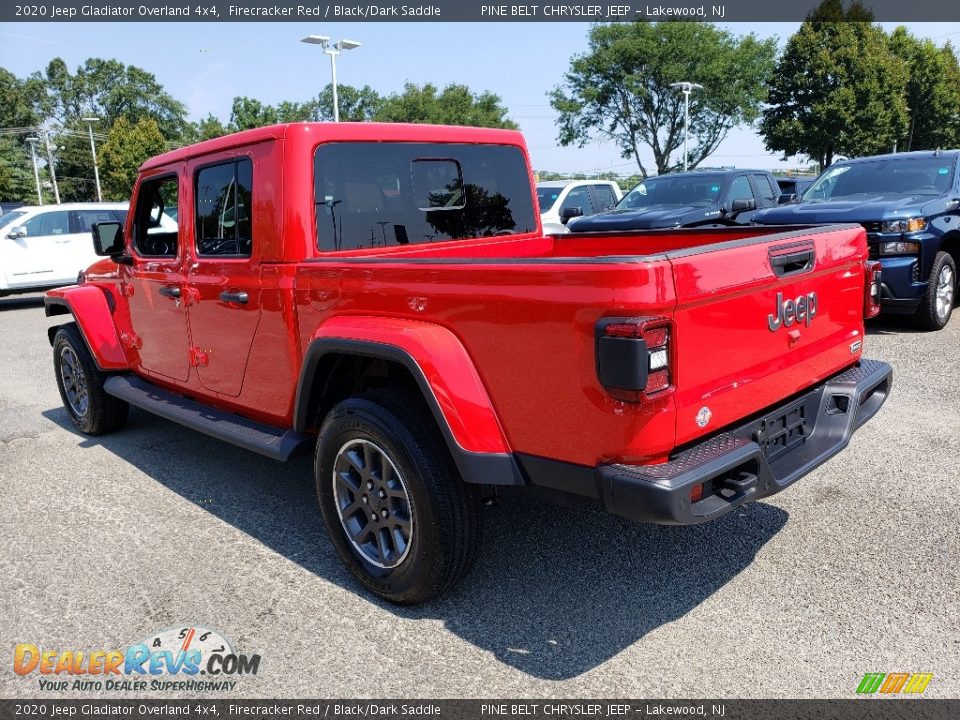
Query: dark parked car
{"points": [[909, 204], [702, 198]]}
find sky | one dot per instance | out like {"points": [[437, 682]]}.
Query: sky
{"points": [[205, 65]]}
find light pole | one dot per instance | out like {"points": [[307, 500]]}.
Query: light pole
{"points": [[93, 151], [36, 172], [53, 174], [686, 88], [332, 49]]}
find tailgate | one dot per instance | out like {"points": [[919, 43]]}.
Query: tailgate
{"points": [[759, 320]]}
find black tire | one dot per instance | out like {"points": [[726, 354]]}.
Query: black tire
{"points": [[444, 512], [934, 312], [81, 386]]}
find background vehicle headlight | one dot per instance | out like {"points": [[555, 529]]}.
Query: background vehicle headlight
{"points": [[899, 248], [903, 226]]}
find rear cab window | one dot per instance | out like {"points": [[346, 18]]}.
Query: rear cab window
{"points": [[372, 195]]}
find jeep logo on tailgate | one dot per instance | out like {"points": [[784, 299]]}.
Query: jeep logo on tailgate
{"points": [[803, 309]]}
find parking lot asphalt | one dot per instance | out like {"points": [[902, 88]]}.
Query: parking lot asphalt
{"points": [[855, 569]]}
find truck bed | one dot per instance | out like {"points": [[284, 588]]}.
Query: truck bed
{"points": [[526, 311], [620, 245]]}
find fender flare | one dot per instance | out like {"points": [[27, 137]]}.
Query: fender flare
{"points": [[91, 310], [446, 376]]}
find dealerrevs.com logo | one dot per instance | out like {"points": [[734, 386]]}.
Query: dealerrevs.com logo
{"points": [[191, 658]]}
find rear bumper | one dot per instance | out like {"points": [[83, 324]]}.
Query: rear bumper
{"points": [[754, 460]]}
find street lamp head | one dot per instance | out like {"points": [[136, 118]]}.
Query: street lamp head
{"points": [[316, 40], [33, 139], [90, 119], [348, 45]]}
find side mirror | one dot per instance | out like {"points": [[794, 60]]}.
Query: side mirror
{"points": [[17, 233], [107, 238], [743, 205], [786, 197], [570, 213], [953, 204]]}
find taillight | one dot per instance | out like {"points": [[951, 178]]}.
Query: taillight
{"points": [[871, 302], [633, 356]]}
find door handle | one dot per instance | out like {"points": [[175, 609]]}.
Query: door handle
{"points": [[234, 297], [170, 291]]}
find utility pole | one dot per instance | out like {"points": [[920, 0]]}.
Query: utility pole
{"points": [[53, 173], [686, 88], [93, 151], [36, 172]]}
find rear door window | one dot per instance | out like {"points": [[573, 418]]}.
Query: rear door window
{"points": [[55, 222], [764, 191], [604, 197], [82, 220], [223, 202], [370, 195], [578, 198]]}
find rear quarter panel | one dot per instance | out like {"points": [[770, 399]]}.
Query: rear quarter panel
{"points": [[528, 328]]}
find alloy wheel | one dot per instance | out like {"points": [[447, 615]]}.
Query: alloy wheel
{"points": [[373, 503], [944, 293], [74, 382]]}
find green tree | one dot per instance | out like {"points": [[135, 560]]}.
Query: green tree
{"points": [[932, 92], [22, 107], [248, 113], [205, 129], [108, 89], [453, 105], [356, 104], [837, 89], [620, 88], [127, 146]]}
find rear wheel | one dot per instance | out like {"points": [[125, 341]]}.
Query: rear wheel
{"points": [[934, 312], [400, 517], [90, 408]]}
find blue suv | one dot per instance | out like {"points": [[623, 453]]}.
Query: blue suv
{"points": [[909, 204]]}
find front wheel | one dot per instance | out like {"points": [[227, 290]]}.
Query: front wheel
{"points": [[90, 408], [934, 312], [399, 515]]}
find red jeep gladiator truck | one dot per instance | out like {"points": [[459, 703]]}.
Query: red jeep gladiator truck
{"points": [[383, 295]]}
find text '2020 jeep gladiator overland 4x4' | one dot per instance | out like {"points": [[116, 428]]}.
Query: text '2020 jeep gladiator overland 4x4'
{"points": [[384, 294]]}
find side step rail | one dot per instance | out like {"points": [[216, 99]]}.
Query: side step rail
{"points": [[273, 442]]}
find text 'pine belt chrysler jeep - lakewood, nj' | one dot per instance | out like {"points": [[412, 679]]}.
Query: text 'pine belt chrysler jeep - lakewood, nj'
{"points": [[383, 294]]}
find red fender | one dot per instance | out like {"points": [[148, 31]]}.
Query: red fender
{"points": [[443, 362], [89, 307]]}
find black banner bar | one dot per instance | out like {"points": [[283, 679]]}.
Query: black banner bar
{"points": [[872, 708], [455, 11]]}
